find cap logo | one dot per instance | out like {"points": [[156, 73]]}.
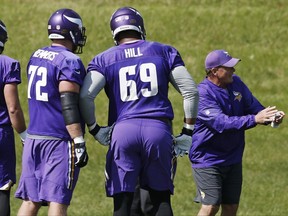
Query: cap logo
{"points": [[226, 53]]}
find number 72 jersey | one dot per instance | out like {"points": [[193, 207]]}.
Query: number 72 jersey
{"points": [[46, 68], [137, 79]]}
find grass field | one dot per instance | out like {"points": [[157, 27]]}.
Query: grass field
{"points": [[253, 30]]}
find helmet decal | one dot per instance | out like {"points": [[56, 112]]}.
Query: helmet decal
{"points": [[74, 20], [3, 36], [3, 27]]}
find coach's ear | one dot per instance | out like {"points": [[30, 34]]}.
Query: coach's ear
{"points": [[214, 70]]}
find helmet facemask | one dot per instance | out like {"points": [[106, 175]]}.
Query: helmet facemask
{"points": [[79, 40]]}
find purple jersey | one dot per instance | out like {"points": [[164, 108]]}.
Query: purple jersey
{"points": [[9, 73], [46, 68], [137, 78], [223, 117]]}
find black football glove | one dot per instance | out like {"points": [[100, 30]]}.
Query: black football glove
{"points": [[81, 154]]}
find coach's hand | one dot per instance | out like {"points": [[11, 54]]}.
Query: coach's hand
{"points": [[266, 116], [80, 152], [183, 142], [101, 134]]}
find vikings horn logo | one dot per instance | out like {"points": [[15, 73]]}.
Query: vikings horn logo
{"points": [[238, 96]]}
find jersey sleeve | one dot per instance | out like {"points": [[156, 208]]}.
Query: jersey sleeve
{"points": [[95, 65], [72, 70], [174, 57], [13, 73]]}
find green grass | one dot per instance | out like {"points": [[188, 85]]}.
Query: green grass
{"points": [[253, 30]]}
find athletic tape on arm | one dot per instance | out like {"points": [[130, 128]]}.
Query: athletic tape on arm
{"points": [[70, 110]]}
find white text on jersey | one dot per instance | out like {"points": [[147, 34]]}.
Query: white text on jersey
{"points": [[44, 54], [132, 52]]}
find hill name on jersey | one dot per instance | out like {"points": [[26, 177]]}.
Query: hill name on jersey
{"points": [[132, 52]]}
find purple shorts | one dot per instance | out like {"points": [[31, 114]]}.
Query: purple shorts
{"points": [[140, 148], [48, 171], [7, 156]]}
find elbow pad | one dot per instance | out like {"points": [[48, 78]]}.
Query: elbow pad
{"points": [[70, 108]]}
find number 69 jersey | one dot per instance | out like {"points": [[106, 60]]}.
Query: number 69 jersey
{"points": [[46, 68], [137, 78]]}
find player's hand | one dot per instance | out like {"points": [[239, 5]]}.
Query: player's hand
{"points": [[80, 152], [101, 134], [183, 142]]}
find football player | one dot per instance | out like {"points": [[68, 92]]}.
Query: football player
{"points": [[136, 74], [54, 149], [11, 116]]}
